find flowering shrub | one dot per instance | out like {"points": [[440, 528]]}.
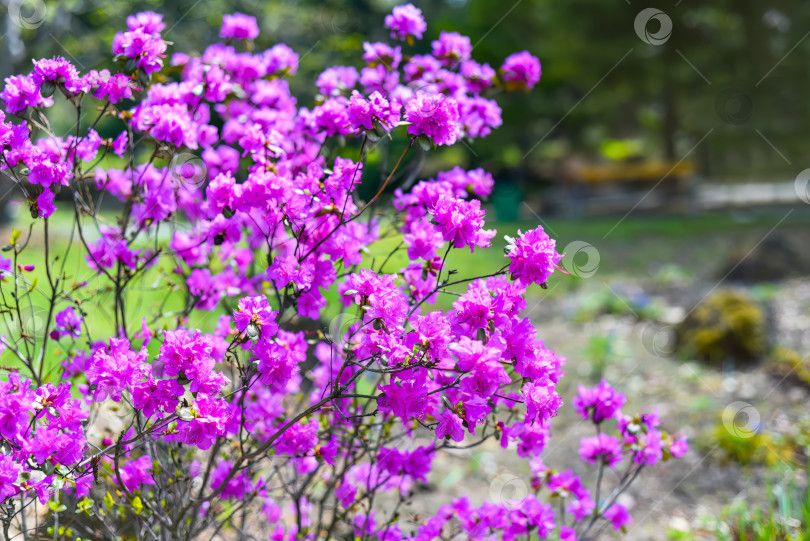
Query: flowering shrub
{"points": [[235, 200]]}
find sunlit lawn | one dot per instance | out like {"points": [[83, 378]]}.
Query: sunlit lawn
{"points": [[626, 248]]}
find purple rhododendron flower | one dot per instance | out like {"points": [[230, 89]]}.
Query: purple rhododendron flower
{"points": [[478, 76], [598, 403], [363, 113], [337, 80], [142, 43], [520, 70], [452, 48], [679, 447], [239, 26], [603, 447], [58, 72], [479, 116], [9, 472], [462, 222], [256, 311], [21, 92], [533, 256], [237, 221], [115, 369], [416, 463], [45, 206], [68, 323], [382, 54], [121, 144], [280, 60], [136, 473], [406, 22], [48, 170], [618, 516], [542, 401], [449, 426], [103, 85], [434, 116]]}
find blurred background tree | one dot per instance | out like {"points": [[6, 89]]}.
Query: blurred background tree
{"points": [[727, 75]]}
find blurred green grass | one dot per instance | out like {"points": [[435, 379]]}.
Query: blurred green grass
{"points": [[627, 248]]}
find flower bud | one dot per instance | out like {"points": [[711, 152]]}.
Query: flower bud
{"points": [[185, 414]]}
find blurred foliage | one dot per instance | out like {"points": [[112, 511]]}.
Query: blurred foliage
{"points": [[785, 517], [621, 149], [600, 300], [762, 260], [670, 274], [750, 445], [600, 351], [725, 77], [725, 327], [757, 448], [786, 363], [779, 511]]}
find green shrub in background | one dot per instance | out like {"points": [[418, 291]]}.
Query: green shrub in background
{"points": [[594, 302], [758, 448], [778, 512], [786, 363], [600, 352], [785, 517], [726, 326]]}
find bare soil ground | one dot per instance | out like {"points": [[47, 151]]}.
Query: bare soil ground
{"points": [[683, 495]]}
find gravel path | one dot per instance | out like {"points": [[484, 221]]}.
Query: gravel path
{"points": [[681, 494]]}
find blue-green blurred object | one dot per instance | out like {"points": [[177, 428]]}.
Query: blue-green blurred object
{"points": [[506, 198]]}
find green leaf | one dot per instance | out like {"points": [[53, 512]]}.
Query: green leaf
{"points": [[424, 142], [86, 505], [56, 507], [137, 505], [47, 89]]}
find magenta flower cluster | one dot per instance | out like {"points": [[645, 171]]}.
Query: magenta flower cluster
{"points": [[287, 375]]}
